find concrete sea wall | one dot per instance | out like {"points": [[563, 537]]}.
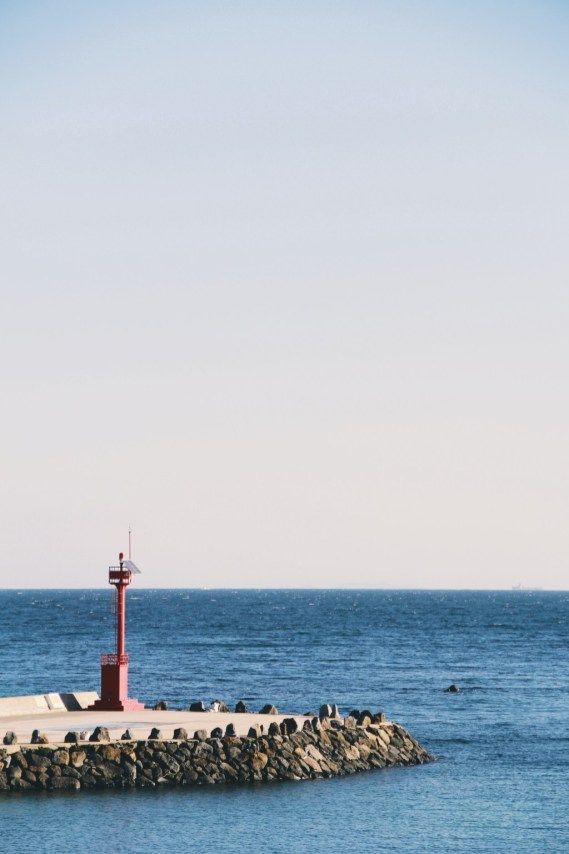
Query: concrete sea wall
{"points": [[322, 748]]}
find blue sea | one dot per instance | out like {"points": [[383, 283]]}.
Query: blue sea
{"points": [[501, 779]]}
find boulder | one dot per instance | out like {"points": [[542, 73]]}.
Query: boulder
{"points": [[269, 709], [240, 707], [198, 706], [222, 707], [230, 731], [180, 734], [255, 731], [200, 734], [325, 711], [127, 735], [155, 734], [10, 738], [364, 718], [39, 737], [452, 689], [290, 725], [100, 733], [160, 706], [71, 737], [335, 711], [274, 729], [216, 732], [379, 718], [316, 725]]}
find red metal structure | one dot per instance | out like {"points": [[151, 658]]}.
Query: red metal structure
{"points": [[114, 665]]}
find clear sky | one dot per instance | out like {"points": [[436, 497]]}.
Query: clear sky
{"points": [[284, 286]]}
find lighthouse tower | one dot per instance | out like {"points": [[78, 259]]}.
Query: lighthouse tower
{"points": [[114, 665]]}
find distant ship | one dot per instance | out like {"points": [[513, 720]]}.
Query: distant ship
{"points": [[520, 586]]}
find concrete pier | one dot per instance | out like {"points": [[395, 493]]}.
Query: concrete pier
{"points": [[56, 724]]}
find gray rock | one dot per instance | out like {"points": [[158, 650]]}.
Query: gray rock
{"points": [[269, 709], [155, 734], [216, 732], [71, 737], [316, 725], [198, 706], [39, 737], [180, 734], [10, 738], [335, 711], [325, 711], [127, 735], [290, 725], [200, 734], [100, 733], [160, 706], [223, 707], [230, 731], [240, 707], [274, 729], [255, 731]]}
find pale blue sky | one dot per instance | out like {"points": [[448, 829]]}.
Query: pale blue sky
{"points": [[284, 285]]}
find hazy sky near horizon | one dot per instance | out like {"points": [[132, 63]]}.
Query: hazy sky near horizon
{"points": [[284, 286]]}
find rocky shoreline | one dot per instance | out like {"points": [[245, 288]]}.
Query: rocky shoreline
{"points": [[324, 747]]}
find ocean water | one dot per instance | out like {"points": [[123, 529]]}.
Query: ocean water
{"points": [[501, 779]]}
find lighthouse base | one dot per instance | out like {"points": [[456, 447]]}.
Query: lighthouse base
{"points": [[114, 687]]}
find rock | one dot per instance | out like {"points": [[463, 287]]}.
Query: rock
{"points": [[77, 758], [325, 711], [216, 732], [452, 689], [316, 725], [335, 711], [255, 731], [274, 729], [258, 761], [39, 737], [355, 713], [10, 738], [180, 734], [230, 731], [128, 736], [379, 718], [100, 733], [268, 709], [200, 734], [350, 721], [160, 706], [71, 737], [221, 706], [364, 719], [290, 725], [240, 707], [307, 726], [155, 734], [198, 706], [61, 757]]}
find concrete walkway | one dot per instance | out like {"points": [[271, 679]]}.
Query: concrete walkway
{"points": [[56, 724]]}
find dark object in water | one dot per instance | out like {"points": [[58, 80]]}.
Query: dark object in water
{"points": [[452, 689]]}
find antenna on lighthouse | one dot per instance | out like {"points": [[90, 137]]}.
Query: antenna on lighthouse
{"points": [[129, 542]]}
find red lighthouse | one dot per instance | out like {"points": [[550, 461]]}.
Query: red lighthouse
{"points": [[114, 665]]}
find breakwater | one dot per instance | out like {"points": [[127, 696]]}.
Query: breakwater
{"points": [[321, 748]]}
